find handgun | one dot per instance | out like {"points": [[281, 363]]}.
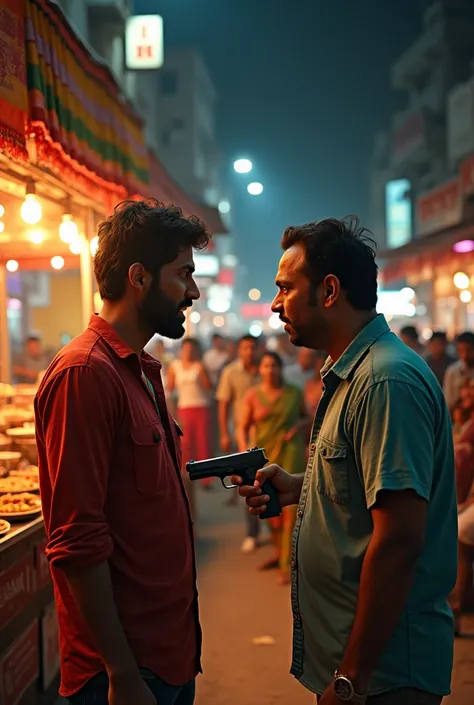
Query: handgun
{"points": [[245, 465]]}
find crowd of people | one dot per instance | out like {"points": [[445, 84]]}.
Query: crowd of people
{"points": [[452, 362]]}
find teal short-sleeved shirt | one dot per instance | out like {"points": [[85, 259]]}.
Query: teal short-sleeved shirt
{"points": [[382, 424]]}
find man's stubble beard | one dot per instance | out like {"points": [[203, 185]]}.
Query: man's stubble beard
{"points": [[160, 315]]}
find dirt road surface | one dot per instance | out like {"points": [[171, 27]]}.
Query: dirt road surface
{"points": [[239, 604]]}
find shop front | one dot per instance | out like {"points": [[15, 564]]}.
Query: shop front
{"points": [[439, 264], [70, 149]]}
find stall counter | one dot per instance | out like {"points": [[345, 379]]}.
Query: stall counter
{"points": [[29, 654]]}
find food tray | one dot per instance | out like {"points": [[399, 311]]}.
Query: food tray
{"points": [[5, 529], [21, 516]]}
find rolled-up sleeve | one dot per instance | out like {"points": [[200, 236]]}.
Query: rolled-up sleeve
{"points": [[393, 435], [76, 419]]}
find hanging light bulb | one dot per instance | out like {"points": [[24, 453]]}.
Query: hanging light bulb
{"points": [[57, 262], [76, 246], [94, 245], [31, 210], [12, 265], [2, 226], [68, 229], [36, 237], [2, 211]]}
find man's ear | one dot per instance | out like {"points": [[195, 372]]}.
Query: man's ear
{"points": [[332, 290]]}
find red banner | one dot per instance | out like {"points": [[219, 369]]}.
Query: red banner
{"points": [[19, 666], [17, 586]]}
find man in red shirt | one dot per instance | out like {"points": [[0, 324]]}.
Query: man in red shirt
{"points": [[117, 518]]}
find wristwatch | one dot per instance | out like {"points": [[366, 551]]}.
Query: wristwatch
{"points": [[344, 690]]}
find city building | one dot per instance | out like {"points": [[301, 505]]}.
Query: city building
{"points": [[420, 168]]}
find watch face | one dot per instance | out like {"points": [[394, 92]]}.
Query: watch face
{"points": [[343, 689]]}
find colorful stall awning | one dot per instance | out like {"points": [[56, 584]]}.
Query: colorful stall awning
{"points": [[13, 92], [83, 128]]}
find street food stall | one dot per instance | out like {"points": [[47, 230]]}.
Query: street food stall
{"points": [[29, 656], [71, 147]]}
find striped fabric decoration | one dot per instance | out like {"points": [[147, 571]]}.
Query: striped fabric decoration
{"points": [[83, 128]]}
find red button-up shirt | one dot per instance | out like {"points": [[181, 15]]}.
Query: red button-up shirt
{"points": [[112, 491]]}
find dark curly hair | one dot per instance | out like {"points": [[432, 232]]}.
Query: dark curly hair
{"points": [[147, 232], [342, 248]]}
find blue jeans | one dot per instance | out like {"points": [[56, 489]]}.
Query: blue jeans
{"points": [[95, 692]]}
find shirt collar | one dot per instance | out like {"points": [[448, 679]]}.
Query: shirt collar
{"points": [[357, 349], [116, 343]]}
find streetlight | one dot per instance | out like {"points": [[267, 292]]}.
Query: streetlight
{"points": [[224, 206], [254, 294], [255, 188], [243, 166]]}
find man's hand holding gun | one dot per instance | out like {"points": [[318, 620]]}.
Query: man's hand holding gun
{"points": [[288, 488]]}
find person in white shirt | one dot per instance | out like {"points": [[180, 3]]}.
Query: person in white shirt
{"points": [[461, 371], [189, 380], [216, 358], [302, 370]]}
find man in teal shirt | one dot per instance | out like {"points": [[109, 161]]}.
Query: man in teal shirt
{"points": [[374, 547]]}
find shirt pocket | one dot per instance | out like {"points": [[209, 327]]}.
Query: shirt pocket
{"points": [[147, 442], [333, 476]]}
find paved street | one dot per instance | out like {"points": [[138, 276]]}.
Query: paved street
{"points": [[238, 604]]}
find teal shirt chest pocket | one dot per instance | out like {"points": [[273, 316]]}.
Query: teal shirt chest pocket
{"points": [[332, 479]]}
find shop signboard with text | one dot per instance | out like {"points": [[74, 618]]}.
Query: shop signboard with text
{"points": [[439, 208], [17, 586], [144, 42], [461, 121], [19, 666]]}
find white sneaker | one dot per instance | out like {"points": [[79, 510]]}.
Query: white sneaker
{"points": [[249, 545]]}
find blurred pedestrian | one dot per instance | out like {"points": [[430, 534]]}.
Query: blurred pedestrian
{"points": [[314, 386], [215, 359], [32, 362], [285, 349], [411, 338], [273, 416], [437, 357], [375, 539], [188, 379], [461, 371], [302, 370], [236, 379], [462, 599]]}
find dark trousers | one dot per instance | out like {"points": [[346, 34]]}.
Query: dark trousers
{"points": [[405, 696], [253, 524], [95, 692]]}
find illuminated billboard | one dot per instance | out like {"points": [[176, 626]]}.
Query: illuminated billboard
{"points": [[398, 212]]}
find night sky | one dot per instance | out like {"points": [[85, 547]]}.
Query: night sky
{"points": [[301, 92]]}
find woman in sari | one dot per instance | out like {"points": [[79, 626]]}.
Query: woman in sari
{"points": [[273, 415]]}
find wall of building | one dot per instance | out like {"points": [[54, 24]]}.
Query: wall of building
{"points": [[63, 314]]}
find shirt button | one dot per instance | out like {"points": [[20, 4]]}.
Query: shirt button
{"points": [[156, 438], [293, 564], [312, 446]]}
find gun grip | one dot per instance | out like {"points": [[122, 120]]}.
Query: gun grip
{"points": [[273, 507]]}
